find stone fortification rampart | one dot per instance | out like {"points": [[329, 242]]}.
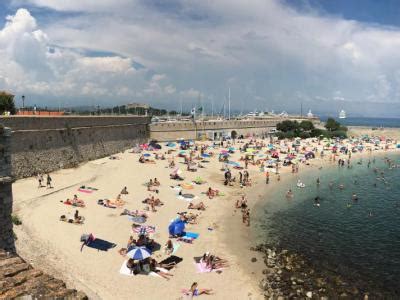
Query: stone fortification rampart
{"points": [[6, 232], [45, 144], [168, 131]]}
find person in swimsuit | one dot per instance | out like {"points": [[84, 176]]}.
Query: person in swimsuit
{"points": [[195, 291]]}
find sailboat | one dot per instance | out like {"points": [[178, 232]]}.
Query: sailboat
{"points": [[342, 114]]}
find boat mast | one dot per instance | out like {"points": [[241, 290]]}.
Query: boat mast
{"points": [[229, 104]]}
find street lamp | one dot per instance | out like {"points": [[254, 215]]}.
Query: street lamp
{"points": [[23, 102]]}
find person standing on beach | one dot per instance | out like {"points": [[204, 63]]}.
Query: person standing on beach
{"points": [[49, 180], [267, 177], [40, 180]]}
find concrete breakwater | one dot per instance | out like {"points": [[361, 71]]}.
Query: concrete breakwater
{"points": [[45, 144]]}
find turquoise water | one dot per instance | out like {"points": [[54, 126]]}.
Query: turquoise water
{"points": [[359, 240]]}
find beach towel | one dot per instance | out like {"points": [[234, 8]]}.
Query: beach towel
{"points": [[186, 239], [101, 245], [201, 268], [172, 259], [176, 247], [139, 220], [187, 199], [87, 191], [191, 235]]}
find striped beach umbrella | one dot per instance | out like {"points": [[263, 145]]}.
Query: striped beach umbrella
{"points": [[139, 253], [145, 229]]}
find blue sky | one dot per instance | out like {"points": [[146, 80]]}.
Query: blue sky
{"points": [[272, 54], [383, 12]]}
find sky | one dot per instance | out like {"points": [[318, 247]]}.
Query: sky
{"points": [[271, 54]]}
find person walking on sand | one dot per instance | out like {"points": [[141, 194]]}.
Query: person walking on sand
{"points": [[49, 180], [267, 177]]}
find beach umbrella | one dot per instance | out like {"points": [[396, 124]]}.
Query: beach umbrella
{"points": [[233, 163], [205, 155], [144, 229], [147, 154], [231, 149], [177, 227], [139, 253]]}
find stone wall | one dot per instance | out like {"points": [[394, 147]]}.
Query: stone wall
{"points": [[44, 144], [213, 129], [6, 226]]}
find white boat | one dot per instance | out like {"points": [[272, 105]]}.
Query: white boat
{"points": [[342, 114]]}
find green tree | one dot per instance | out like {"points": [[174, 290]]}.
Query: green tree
{"points": [[7, 102], [332, 125], [287, 125], [306, 125]]}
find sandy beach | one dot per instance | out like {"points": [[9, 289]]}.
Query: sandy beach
{"points": [[55, 246]]}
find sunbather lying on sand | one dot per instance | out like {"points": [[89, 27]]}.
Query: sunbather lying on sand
{"points": [[198, 206], [75, 202], [212, 193], [213, 262], [195, 291], [165, 266], [152, 200], [153, 268], [134, 213], [124, 191], [144, 160], [188, 217]]}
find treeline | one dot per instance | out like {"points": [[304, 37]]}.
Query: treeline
{"points": [[306, 129]]}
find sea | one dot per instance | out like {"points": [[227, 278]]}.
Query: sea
{"points": [[371, 122], [357, 239]]}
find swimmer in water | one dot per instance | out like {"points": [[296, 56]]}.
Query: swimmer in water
{"points": [[341, 186], [330, 185], [354, 197], [289, 194], [316, 201], [370, 214], [318, 181]]}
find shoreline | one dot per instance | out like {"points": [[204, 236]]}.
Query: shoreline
{"points": [[229, 238]]}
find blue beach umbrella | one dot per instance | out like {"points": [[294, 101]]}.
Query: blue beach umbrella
{"points": [[147, 154], [177, 227], [205, 155], [139, 253]]}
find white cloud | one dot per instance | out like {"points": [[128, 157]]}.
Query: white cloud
{"points": [[260, 48]]}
